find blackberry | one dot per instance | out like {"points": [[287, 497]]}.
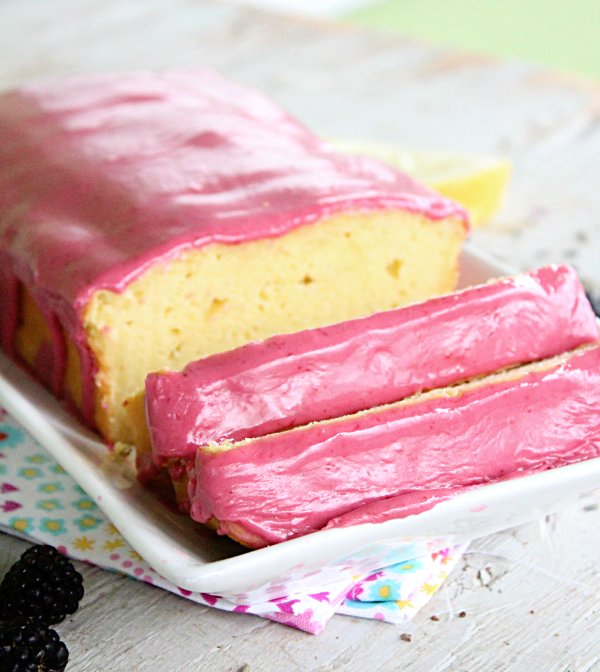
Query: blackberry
{"points": [[43, 584], [30, 646]]}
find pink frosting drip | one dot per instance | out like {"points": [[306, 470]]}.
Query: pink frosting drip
{"points": [[102, 177], [293, 483], [294, 379], [417, 502], [394, 508]]}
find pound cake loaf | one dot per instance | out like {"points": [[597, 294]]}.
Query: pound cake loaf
{"points": [[403, 457], [319, 374], [150, 219]]}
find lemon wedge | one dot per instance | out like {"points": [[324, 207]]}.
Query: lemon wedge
{"points": [[478, 182]]}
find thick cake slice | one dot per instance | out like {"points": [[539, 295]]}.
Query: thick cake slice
{"points": [[265, 490], [149, 219], [293, 379]]}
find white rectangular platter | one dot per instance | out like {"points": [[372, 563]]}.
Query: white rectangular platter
{"points": [[200, 561]]}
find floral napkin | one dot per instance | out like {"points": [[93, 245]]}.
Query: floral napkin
{"points": [[41, 503]]}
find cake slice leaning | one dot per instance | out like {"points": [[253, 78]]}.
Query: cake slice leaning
{"points": [[293, 379], [269, 489]]}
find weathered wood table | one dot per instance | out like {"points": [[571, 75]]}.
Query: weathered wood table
{"points": [[532, 594]]}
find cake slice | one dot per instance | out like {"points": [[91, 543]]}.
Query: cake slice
{"points": [[293, 379], [149, 219], [269, 489]]}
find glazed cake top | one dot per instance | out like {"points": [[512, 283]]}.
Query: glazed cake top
{"points": [[102, 176]]}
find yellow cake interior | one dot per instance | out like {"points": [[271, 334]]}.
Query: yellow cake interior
{"points": [[221, 296]]}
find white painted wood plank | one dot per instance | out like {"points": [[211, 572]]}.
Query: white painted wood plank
{"points": [[315, 8]]}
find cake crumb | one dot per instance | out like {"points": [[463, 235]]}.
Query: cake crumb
{"points": [[405, 637], [462, 614], [435, 618], [245, 668], [122, 449]]}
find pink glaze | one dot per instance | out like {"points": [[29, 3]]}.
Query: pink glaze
{"points": [[410, 504], [291, 380], [417, 502], [105, 176], [292, 483]]}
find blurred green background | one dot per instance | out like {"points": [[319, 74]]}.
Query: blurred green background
{"points": [[560, 33]]}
